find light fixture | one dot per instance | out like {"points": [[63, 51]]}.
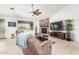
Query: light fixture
{"points": [[34, 12]]}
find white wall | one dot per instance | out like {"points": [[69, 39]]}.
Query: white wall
{"points": [[12, 30], [76, 30], [69, 12]]}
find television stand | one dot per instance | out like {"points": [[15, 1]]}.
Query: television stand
{"points": [[60, 35]]}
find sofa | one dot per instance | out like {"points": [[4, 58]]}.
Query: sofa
{"points": [[36, 47]]}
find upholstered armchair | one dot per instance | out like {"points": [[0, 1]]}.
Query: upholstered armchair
{"points": [[35, 47]]}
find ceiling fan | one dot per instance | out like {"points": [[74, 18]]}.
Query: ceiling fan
{"points": [[35, 12]]}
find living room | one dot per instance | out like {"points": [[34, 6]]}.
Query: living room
{"points": [[56, 22]]}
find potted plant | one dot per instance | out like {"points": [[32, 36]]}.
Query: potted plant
{"points": [[68, 26]]}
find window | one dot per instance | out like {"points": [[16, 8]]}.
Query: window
{"points": [[25, 25], [11, 24]]}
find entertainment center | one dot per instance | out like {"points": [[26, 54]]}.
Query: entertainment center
{"points": [[58, 30], [60, 35]]}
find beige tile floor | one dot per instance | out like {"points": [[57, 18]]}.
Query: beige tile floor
{"points": [[61, 47], [8, 47]]}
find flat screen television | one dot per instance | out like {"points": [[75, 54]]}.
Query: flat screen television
{"points": [[43, 30], [56, 25], [11, 24]]}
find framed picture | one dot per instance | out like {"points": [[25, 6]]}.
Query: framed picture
{"points": [[11, 24]]}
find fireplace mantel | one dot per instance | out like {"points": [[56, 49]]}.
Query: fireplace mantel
{"points": [[44, 27]]}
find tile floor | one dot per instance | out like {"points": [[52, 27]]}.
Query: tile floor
{"points": [[8, 47], [61, 47]]}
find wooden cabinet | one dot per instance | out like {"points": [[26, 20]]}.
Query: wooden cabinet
{"points": [[60, 35]]}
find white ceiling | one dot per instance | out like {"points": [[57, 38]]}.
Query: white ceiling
{"points": [[22, 10]]}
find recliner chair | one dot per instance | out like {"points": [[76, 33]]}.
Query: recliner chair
{"points": [[35, 47]]}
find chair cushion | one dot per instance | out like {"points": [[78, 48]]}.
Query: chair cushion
{"points": [[47, 48]]}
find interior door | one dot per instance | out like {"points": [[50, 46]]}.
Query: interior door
{"points": [[2, 28]]}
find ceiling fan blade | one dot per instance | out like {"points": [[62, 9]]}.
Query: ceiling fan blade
{"points": [[11, 8], [39, 12], [34, 12]]}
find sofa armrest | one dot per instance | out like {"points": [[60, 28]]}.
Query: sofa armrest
{"points": [[46, 47], [43, 43], [46, 42]]}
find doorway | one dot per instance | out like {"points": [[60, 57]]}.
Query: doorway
{"points": [[2, 28]]}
